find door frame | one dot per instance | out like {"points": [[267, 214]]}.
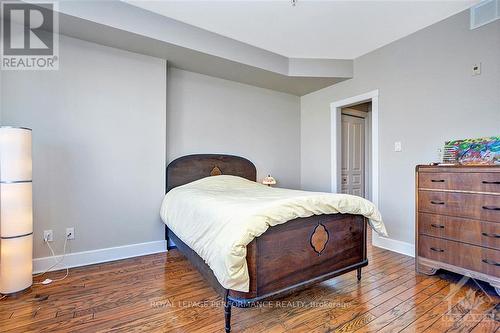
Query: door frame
{"points": [[336, 140]]}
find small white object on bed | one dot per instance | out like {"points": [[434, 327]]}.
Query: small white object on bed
{"points": [[219, 216]]}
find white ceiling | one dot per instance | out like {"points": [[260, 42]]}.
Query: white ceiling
{"points": [[311, 29]]}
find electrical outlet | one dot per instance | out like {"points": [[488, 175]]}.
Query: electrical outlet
{"points": [[48, 236], [476, 69], [440, 155], [70, 233]]}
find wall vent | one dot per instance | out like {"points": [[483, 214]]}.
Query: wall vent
{"points": [[484, 12]]}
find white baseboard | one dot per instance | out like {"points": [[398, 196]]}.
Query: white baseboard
{"points": [[97, 256], [128, 251], [393, 245]]}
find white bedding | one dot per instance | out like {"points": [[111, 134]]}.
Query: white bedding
{"points": [[219, 216]]}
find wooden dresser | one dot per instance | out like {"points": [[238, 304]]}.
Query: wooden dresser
{"points": [[458, 221]]}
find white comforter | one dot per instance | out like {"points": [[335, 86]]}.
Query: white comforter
{"points": [[219, 216]]}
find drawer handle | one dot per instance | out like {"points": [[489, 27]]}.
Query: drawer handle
{"points": [[490, 235], [437, 180], [440, 226], [435, 249], [488, 182], [491, 208], [439, 202], [490, 262]]}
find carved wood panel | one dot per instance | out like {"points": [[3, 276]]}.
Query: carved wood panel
{"points": [[319, 238], [215, 171]]}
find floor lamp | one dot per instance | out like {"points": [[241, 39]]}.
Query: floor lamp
{"points": [[16, 210]]}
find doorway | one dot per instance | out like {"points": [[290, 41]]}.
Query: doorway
{"points": [[370, 160], [340, 111], [355, 144]]}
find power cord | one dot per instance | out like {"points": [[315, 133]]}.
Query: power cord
{"points": [[48, 281]]}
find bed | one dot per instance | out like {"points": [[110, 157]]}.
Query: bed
{"points": [[284, 259]]}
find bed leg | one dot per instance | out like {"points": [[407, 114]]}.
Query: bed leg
{"points": [[359, 273], [227, 313]]}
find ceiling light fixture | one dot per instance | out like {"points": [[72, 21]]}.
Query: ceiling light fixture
{"points": [[294, 2]]}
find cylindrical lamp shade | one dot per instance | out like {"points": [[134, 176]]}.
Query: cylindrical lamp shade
{"points": [[16, 210]]}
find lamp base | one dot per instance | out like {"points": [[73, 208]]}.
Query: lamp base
{"points": [[17, 293]]}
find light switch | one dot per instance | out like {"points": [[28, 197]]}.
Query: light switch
{"points": [[397, 146]]}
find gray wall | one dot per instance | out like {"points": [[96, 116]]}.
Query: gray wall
{"points": [[98, 144], [102, 136], [427, 96], [210, 115]]}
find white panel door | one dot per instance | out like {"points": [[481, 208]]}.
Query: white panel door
{"points": [[353, 155]]}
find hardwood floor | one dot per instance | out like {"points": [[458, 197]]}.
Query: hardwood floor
{"points": [[163, 293]]}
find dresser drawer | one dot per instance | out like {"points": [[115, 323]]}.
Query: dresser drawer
{"points": [[467, 256], [459, 229], [475, 206], [477, 182]]}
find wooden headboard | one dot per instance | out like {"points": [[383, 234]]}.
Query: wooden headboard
{"points": [[193, 167]]}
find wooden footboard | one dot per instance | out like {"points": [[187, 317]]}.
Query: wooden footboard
{"points": [[293, 256]]}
